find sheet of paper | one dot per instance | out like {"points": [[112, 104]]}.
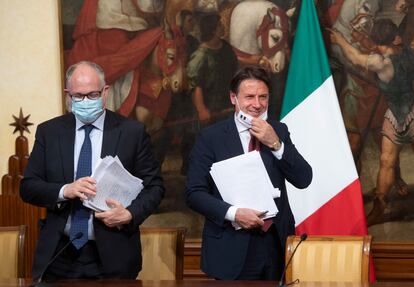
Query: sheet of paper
{"points": [[115, 182], [243, 182]]}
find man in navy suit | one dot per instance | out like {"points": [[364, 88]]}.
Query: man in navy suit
{"points": [[58, 177], [248, 253]]}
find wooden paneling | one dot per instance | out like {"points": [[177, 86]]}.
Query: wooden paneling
{"points": [[192, 253], [393, 260]]}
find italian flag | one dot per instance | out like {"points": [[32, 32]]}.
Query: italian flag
{"points": [[332, 204]]}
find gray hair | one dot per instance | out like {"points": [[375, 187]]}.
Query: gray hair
{"points": [[96, 67]]}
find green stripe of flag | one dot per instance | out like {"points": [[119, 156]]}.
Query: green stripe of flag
{"points": [[309, 66]]}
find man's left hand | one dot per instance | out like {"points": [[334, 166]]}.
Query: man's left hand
{"points": [[118, 215], [264, 132]]}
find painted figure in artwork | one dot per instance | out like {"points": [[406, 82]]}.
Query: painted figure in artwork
{"points": [[393, 66], [209, 70], [143, 60], [360, 99]]}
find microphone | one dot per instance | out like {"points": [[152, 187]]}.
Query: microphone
{"points": [[39, 282], [303, 237]]}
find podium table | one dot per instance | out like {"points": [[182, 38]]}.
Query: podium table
{"points": [[189, 283]]}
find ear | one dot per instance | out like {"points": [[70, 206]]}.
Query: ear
{"points": [[233, 98], [271, 16], [68, 102], [166, 83], [105, 93]]}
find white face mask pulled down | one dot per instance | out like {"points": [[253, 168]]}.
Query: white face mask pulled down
{"points": [[246, 119]]}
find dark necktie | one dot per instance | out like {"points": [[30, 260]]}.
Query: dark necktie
{"points": [[254, 144], [80, 214]]}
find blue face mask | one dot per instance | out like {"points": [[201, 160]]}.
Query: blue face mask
{"points": [[87, 111]]}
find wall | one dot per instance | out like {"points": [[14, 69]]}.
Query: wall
{"points": [[30, 67]]}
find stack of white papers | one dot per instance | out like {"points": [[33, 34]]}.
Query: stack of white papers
{"points": [[244, 183], [115, 182]]}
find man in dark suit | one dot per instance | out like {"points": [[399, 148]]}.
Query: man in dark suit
{"points": [[104, 244], [248, 253]]}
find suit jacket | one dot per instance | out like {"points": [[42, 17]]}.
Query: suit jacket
{"points": [[51, 165], [223, 248]]}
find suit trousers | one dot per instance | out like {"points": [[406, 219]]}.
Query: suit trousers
{"points": [[265, 256], [74, 263]]}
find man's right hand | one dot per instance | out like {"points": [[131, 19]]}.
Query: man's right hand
{"points": [[83, 188], [248, 218]]}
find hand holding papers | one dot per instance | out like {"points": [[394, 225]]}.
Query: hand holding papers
{"points": [[243, 182], [113, 181]]}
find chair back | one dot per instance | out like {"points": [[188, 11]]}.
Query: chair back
{"points": [[162, 253], [329, 259], [12, 251]]}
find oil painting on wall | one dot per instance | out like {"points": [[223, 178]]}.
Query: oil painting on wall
{"points": [[169, 63]]}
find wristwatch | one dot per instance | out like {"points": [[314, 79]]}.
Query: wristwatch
{"points": [[276, 145]]}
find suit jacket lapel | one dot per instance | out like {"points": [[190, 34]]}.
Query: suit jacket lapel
{"points": [[232, 139], [111, 135], [269, 159], [67, 145]]}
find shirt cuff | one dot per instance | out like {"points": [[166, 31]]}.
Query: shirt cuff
{"points": [[231, 214], [279, 153], [61, 197]]}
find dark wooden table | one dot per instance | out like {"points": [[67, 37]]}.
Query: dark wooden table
{"points": [[189, 283]]}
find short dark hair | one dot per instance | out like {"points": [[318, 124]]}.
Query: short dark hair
{"points": [[384, 31], [249, 72], [208, 26]]}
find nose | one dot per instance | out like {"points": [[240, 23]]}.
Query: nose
{"points": [[256, 102]]}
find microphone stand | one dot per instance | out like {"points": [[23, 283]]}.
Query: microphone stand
{"points": [[39, 282], [303, 237]]}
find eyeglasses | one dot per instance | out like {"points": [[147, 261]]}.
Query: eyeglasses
{"points": [[78, 97]]}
